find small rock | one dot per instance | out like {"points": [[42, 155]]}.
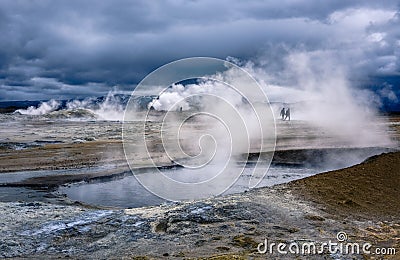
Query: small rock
{"points": [[200, 242], [314, 217], [223, 248], [244, 242], [161, 226]]}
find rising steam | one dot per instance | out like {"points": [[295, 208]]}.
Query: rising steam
{"points": [[318, 91], [206, 127], [42, 109], [110, 108]]}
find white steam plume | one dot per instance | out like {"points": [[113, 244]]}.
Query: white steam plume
{"points": [[321, 94], [42, 109], [111, 108]]}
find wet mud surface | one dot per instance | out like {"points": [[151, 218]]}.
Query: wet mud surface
{"points": [[230, 226]]}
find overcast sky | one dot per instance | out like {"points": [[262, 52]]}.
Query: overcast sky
{"points": [[68, 49]]}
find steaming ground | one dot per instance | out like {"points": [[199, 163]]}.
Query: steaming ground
{"points": [[334, 126], [40, 152], [58, 143], [32, 143]]}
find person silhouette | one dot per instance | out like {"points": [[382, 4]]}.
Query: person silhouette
{"points": [[287, 114], [283, 113]]}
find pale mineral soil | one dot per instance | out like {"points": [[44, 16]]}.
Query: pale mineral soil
{"points": [[95, 149], [362, 201]]}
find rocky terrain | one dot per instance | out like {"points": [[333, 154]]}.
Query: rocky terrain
{"points": [[314, 209]]}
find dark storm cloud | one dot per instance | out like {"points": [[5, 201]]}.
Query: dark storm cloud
{"points": [[62, 49]]}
